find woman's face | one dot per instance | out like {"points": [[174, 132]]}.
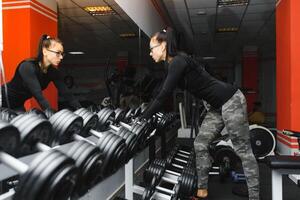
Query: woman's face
{"points": [[157, 50], [54, 54]]}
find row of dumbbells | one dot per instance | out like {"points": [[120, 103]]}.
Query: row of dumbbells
{"points": [[160, 120], [171, 178], [35, 129]]}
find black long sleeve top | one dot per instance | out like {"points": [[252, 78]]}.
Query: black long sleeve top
{"points": [[29, 81], [186, 73]]}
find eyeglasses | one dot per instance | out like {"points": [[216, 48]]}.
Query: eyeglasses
{"points": [[151, 48], [58, 53]]}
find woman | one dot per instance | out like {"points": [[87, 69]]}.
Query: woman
{"points": [[226, 107], [33, 75]]}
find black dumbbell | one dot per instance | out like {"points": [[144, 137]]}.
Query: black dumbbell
{"points": [[141, 129], [185, 183], [90, 122], [68, 126], [51, 175], [36, 132]]}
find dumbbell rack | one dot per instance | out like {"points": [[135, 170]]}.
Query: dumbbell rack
{"points": [[130, 187], [7, 173]]}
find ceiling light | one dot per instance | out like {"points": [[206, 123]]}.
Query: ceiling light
{"points": [[227, 29], [76, 52], [201, 12], [100, 10], [127, 35], [209, 58], [223, 3]]}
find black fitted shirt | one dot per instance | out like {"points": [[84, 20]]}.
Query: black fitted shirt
{"points": [[186, 73], [29, 81]]}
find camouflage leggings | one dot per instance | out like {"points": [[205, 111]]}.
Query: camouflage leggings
{"points": [[234, 117]]}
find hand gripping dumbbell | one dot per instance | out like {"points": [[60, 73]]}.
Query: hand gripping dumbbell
{"points": [[68, 126], [90, 121], [51, 175], [157, 174], [36, 133]]}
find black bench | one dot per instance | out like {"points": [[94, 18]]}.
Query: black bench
{"points": [[281, 165]]}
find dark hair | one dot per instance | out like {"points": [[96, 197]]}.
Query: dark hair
{"points": [[45, 42], [168, 35]]}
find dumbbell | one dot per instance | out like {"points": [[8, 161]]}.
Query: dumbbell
{"points": [[90, 121], [119, 114], [185, 183], [170, 168], [106, 119], [36, 132], [181, 157], [7, 114], [141, 128], [68, 126], [132, 140], [51, 175]]}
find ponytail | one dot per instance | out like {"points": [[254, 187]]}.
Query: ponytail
{"points": [[168, 35]]}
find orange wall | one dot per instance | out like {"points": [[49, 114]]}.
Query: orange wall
{"points": [[295, 64], [16, 39], [22, 29], [288, 64]]}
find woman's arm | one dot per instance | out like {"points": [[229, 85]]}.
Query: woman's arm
{"points": [[175, 72], [27, 73], [63, 90]]}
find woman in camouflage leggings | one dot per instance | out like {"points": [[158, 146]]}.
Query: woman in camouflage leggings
{"points": [[186, 73], [232, 116]]}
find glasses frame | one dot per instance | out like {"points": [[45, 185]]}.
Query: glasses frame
{"points": [[57, 53], [151, 48]]}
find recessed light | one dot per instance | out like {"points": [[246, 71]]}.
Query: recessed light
{"points": [[227, 29], [201, 12], [76, 52], [209, 58], [100, 10], [223, 3], [127, 35]]}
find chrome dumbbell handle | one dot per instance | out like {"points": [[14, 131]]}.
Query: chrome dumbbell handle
{"points": [[13, 163]]}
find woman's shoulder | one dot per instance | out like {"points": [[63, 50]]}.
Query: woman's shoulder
{"points": [[28, 64]]}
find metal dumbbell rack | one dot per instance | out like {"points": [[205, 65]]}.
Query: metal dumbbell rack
{"points": [[169, 176]]}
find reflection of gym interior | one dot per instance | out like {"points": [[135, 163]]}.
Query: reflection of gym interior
{"points": [[106, 149]]}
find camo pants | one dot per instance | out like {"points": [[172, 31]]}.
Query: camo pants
{"points": [[232, 116]]}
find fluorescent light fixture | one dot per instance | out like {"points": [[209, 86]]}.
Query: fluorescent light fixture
{"points": [[76, 52], [100, 10], [223, 3], [127, 35], [201, 12], [227, 29], [209, 58]]}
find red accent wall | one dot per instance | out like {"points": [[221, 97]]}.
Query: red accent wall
{"points": [[250, 78], [22, 28], [288, 62]]}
